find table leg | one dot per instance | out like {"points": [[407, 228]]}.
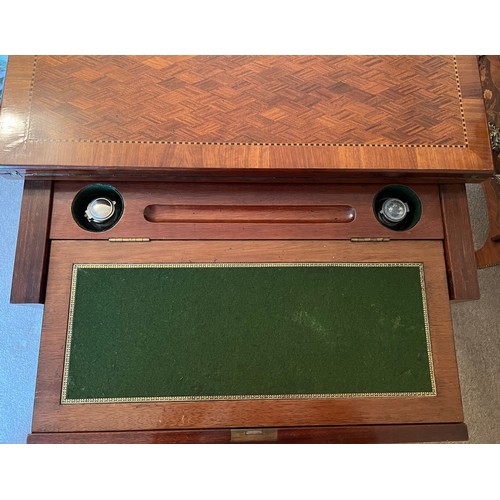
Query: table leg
{"points": [[489, 254]]}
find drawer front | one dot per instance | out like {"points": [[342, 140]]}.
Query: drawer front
{"points": [[278, 333]]}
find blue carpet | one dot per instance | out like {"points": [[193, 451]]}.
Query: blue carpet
{"points": [[20, 327], [3, 69]]}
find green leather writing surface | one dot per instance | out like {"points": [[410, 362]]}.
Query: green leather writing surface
{"points": [[160, 332]]}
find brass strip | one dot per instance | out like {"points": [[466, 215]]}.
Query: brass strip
{"points": [[364, 240], [129, 240], [265, 144], [249, 397], [69, 335], [245, 264], [253, 435], [30, 101], [427, 329], [232, 397], [460, 100]]}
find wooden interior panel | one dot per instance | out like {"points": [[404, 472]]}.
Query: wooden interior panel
{"points": [[340, 434], [459, 247], [259, 201], [252, 214], [51, 416]]}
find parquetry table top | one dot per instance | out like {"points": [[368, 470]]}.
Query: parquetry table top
{"points": [[418, 114]]}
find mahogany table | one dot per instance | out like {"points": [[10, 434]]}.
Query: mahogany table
{"points": [[249, 159]]}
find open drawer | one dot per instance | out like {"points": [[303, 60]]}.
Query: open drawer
{"points": [[191, 341]]}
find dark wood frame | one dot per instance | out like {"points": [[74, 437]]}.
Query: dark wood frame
{"points": [[362, 434], [32, 251], [270, 198], [458, 245]]}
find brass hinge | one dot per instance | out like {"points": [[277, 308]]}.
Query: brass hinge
{"points": [[128, 240], [253, 435], [362, 240]]}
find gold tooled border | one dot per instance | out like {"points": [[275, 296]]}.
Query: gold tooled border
{"points": [[280, 144], [76, 267]]}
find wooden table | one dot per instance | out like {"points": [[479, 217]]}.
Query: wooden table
{"points": [[245, 159], [489, 254]]}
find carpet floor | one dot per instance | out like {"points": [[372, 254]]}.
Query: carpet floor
{"points": [[477, 339]]}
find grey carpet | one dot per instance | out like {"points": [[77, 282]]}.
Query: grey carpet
{"points": [[477, 339]]}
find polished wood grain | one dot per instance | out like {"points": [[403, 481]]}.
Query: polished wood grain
{"points": [[50, 416], [32, 250], [489, 254], [249, 214], [208, 207], [251, 175], [458, 245], [334, 434], [421, 114], [313, 100]]}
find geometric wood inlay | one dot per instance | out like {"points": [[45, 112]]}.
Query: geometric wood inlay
{"points": [[396, 101]]}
